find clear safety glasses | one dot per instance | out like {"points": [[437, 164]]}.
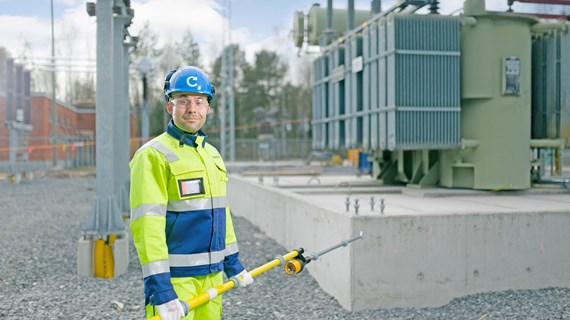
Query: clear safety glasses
{"points": [[185, 103]]}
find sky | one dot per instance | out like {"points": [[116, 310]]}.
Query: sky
{"points": [[255, 24]]}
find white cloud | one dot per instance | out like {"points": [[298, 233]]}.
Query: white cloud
{"points": [[69, 2], [169, 19], [16, 31]]}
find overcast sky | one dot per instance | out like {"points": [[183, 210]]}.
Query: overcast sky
{"points": [[256, 24]]}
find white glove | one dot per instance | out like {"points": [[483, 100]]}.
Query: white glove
{"points": [[246, 278], [172, 310]]}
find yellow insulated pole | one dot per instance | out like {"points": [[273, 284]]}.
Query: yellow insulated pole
{"points": [[212, 293]]}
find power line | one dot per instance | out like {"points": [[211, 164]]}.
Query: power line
{"points": [[57, 58]]}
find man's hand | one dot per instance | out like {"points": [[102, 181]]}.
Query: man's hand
{"points": [[246, 278], [172, 310]]}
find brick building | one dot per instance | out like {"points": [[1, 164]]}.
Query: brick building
{"points": [[75, 130]]}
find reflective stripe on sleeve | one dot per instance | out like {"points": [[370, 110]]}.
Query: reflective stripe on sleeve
{"points": [[197, 259], [155, 267], [231, 249], [148, 210], [197, 204]]}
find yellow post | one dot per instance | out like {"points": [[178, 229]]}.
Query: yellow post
{"points": [[103, 258], [204, 297]]}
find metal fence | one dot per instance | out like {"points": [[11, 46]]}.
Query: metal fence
{"points": [[268, 148], [75, 151], [36, 153]]}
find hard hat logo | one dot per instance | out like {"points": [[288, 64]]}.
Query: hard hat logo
{"points": [[192, 81]]}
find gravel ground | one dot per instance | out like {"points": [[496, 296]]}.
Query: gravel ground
{"points": [[41, 222]]}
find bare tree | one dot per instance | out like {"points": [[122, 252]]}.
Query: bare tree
{"points": [[189, 50]]}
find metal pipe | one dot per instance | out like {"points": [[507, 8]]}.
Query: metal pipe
{"points": [[469, 143], [547, 143], [53, 106], [549, 16], [344, 243], [329, 32], [144, 120], [562, 2], [120, 110], [548, 26], [350, 20], [232, 122], [329, 14], [376, 7], [27, 96], [9, 89]]}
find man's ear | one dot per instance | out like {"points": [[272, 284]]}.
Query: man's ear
{"points": [[169, 107]]}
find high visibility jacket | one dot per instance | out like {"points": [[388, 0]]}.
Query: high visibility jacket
{"points": [[180, 218]]}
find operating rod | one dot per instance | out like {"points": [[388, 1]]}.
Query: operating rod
{"points": [[343, 243], [212, 293]]}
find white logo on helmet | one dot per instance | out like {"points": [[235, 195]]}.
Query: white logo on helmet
{"points": [[192, 81]]}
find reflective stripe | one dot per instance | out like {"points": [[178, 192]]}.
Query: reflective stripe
{"points": [[170, 156], [148, 210], [155, 267], [197, 204], [197, 259], [231, 249], [213, 293]]}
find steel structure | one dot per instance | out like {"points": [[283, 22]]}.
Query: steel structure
{"points": [[18, 120]]}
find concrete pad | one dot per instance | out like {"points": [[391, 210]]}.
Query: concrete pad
{"points": [[420, 251]]}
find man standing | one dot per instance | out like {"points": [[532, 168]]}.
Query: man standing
{"points": [[180, 218]]}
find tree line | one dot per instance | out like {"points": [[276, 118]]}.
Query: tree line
{"points": [[260, 87]]}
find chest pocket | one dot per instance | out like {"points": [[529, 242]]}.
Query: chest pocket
{"points": [[221, 174], [187, 179]]}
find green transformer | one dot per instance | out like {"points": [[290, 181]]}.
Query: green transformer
{"points": [[495, 103]]}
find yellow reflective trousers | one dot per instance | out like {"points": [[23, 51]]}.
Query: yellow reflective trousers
{"points": [[189, 287]]}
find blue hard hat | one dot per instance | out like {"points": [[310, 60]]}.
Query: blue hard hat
{"points": [[188, 80]]}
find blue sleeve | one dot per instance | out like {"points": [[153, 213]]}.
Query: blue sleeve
{"points": [[232, 266], [158, 289]]}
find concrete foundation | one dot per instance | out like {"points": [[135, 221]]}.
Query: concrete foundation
{"points": [[421, 251]]}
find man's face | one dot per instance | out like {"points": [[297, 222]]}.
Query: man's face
{"points": [[189, 111]]}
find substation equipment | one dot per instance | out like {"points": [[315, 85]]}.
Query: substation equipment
{"points": [[472, 101], [18, 121], [103, 249]]}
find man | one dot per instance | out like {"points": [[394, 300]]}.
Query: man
{"points": [[180, 219]]}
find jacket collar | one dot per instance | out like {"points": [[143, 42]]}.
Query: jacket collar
{"points": [[185, 137]]}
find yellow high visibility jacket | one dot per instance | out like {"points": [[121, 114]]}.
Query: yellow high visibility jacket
{"points": [[180, 218]]}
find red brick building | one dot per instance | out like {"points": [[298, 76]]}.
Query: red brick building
{"points": [[76, 129]]}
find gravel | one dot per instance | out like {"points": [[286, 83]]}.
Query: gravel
{"points": [[42, 220]]}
